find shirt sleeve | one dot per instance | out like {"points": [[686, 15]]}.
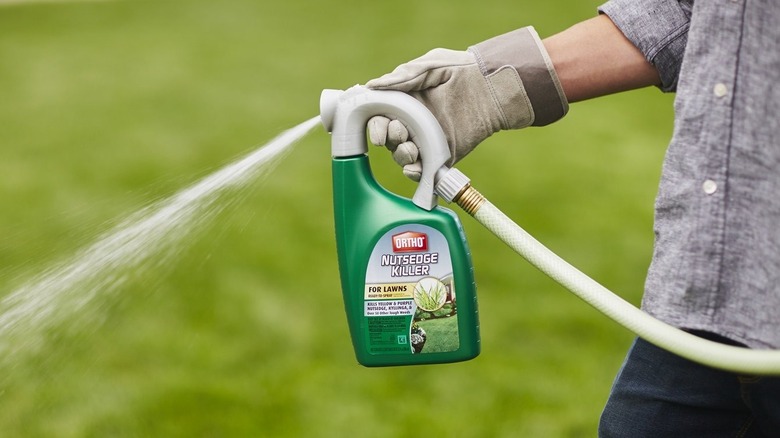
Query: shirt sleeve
{"points": [[659, 28]]}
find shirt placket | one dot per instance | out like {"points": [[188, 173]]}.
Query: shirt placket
{"points": [[716, 143]]}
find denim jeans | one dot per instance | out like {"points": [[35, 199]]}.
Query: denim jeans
{"points": [[659, 394]]}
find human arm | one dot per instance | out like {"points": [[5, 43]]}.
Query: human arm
{"points": [[593, 58], [631, 45]]}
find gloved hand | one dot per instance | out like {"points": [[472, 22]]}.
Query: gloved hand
{"points": [[506, 82]]}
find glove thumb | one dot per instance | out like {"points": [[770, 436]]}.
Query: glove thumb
{"points": [[428, 71]]}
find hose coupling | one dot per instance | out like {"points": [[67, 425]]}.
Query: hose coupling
{"points": [[470, 200]]}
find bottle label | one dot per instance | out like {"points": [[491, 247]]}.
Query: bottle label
{"points": [[409, 298]]}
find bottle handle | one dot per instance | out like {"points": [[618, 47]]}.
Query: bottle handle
{"points": [[345, 114]]}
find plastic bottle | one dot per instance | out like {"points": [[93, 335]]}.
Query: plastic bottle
{"points": [[406, 272]]}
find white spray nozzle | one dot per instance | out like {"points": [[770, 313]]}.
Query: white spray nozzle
{"points": [[345, 114]]}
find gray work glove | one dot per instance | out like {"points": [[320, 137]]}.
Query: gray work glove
{"points": [[506, 82]]}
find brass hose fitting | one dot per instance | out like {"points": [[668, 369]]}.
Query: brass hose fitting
{"points": [[469, 199]]}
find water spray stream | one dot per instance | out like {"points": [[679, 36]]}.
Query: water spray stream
{"points": [[63, 291]]}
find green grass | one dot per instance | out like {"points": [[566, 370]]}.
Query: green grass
{"points": [[442, 334], [107, 106]]}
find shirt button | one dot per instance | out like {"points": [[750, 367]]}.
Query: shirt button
{"points": [[720, 90], [709, 187]]}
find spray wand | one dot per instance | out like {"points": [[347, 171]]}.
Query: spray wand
{"points": [[345, 114]]}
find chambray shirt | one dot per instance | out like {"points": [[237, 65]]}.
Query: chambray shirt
{"points": [[716, 260]]}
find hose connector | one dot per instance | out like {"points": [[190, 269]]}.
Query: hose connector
{"points": [[453, 186], [450, 182], [470, 200]]}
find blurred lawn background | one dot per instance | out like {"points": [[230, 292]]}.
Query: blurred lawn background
{"points": [[107, 106]]}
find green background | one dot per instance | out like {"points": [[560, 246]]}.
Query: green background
{"points": [[108, 106]]}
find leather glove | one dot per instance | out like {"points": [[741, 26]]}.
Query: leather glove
{"points": [[506, 82]]}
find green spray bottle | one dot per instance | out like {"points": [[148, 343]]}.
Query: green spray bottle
{"points": [[406, 272]]}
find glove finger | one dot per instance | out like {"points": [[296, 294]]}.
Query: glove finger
{"points": [[413, 171], [396, 134], [377, 130], [406, 153]]}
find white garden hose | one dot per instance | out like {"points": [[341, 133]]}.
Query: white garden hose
{"points": [[714, 354]]}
